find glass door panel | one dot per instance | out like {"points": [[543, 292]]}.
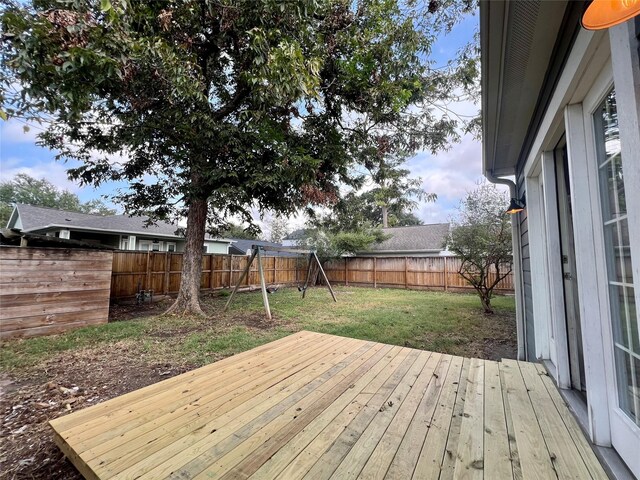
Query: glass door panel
{"points": [[619, 274]]}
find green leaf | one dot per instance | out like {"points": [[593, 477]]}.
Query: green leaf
{"points": [[105, 5], [3, 115]]}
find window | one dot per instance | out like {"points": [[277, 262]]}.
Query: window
{"points": [[619, 275], [155, 246], [205, 249], [144, 245], [171, 247]]}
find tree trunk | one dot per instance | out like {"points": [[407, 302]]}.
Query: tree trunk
{"points": [[188, 301], [385, 216], [485, 298]]}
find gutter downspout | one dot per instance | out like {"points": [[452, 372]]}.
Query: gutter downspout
{"points": [[517, 263]]}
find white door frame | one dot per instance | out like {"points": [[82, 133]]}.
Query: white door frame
{"points": [[554, 271], [625, 435], [545, 339]]}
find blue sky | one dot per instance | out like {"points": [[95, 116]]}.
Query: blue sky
{"points": [[448, 174]]}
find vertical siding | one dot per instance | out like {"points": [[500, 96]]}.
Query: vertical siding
{"points": [[526, 274]]}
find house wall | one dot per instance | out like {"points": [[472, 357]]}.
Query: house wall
{"points": [[597, 62], [217, 247], [529, 334]]}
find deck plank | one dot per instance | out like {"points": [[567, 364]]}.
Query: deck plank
{"points": [[316, 436], [384, 452], [406, 458], [571, 424], [175, 436], [535, 459], [215, 444], [331, 458], [198, 406], [320, 406], [360, 453], [469, 461], [254, 452], [81, 417], [564, 454], [497, 457]]}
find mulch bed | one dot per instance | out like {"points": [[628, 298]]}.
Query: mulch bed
{"points": [[66, 383]]}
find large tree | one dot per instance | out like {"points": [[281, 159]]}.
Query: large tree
{"points": [[40, 192], [220, 106], [481, 237]]}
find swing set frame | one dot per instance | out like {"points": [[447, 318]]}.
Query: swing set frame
{"points": [[256, 249]]}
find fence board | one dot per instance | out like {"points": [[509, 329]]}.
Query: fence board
{"points": [[51, 290], [161, 272], [436, 273]]}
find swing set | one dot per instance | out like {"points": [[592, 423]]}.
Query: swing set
{"points": [[256, 253]]}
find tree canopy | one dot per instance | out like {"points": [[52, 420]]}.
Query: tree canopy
{"points": [[218, 106], [42, 193], [481, 237]]}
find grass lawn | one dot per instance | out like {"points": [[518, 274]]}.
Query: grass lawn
{"points": [[443, 322], [44, 378]]}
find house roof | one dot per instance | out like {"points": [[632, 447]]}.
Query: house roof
{"points": [[523, 46], [41, 218], [418, 238]]}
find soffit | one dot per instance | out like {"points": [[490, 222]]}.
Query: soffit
{"points": [[518, 40]]}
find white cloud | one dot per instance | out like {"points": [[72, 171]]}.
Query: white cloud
{"points": [[52, 171], [15, 131]]}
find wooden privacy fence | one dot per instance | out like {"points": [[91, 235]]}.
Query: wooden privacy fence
{"points": [[429, 273], [51, 290], [161, 272]]}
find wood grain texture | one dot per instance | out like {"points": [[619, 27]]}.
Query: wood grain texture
{"points": [[47, 290], [319, 406], [433, 273]]}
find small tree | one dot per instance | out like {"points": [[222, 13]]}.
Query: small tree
{"points": [[481, 237]]}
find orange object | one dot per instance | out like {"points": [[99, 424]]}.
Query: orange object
{"points": [[607, 13]]}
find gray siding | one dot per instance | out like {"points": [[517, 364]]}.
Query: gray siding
{"points": [[530, 346]]}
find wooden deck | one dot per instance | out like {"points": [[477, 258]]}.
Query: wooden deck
{"points": [[320, 406]]}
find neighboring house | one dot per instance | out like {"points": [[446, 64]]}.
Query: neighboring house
{"points": [[243, 247], [414, 241], [117, 231], [561, 113]]}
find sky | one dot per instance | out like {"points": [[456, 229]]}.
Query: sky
{"points": [[449, 174]]}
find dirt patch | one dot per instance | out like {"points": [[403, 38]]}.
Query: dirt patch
{"points": [[65, 383], [255, 320], [493, 338], [119, 311]]}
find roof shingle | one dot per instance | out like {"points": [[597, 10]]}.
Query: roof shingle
{"points": [[416, 238]]}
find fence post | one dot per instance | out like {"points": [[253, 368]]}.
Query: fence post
{"points": [[346, 272], [211, 258], [446, 274], [167, 272], [375, 274], [406, 273], [230, 270], [148, 276]]}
